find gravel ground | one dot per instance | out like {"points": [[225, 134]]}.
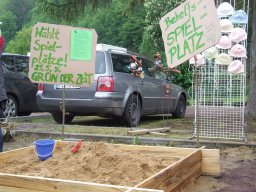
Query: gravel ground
{"points": [[19, 142]]}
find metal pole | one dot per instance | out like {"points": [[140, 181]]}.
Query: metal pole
{"points": [[196, 100], [63, 112]]}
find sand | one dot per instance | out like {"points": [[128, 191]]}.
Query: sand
{"points": [[95, 162]]}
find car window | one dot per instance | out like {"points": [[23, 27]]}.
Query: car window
{"points": [[22, 64], [157, 74], [121, 63], [145, 65], [8, 61], [160, 75], [100, 67]]}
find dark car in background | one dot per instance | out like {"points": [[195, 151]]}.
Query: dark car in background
{"points": [[20, 90], [115, 91]]}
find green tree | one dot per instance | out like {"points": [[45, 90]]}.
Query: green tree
{"points": [[21, 43], [154, 12], [20, 8], [38, 16], [8, 26], [68, 9], [114, 27], [152, 38], [131, 32]]}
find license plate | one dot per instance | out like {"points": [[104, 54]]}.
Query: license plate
{"points": [[66, 87]]}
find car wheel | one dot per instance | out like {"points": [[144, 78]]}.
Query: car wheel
{"points": [[23, 113], [11, 107], [58, 117], [132, 113], [180, 108]]}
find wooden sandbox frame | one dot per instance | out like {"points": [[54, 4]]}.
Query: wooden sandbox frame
{"points": [[192, 163]]}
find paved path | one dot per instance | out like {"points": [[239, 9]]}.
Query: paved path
{"points": [[190, 111]]}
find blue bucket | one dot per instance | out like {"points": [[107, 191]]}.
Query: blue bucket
{"points": [[44, 148]]}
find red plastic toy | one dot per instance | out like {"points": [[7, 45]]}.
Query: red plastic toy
{"points": [[77, 146]]}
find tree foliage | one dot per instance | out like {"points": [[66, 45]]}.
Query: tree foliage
{"points": [[152, 38], [155, 10], [71, 9], [39, 16], [113, 24], [114, 27], [21, 43], [68, 9], [8, 26], [19, 8]]}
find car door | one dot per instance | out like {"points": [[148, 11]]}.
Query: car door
{"points": [[150, 87], [146, 86], [27, 89], [8, 62], [168, 91]]}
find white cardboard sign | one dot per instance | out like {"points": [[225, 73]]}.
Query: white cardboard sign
{"points": [[189, 29], [62, 54]]}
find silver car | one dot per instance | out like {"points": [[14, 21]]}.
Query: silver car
{"points": [[115, 91]]}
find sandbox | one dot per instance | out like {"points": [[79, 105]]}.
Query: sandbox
{"points": [[106, 167]]}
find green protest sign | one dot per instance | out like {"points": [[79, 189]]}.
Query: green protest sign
{"points": [[189, 29], [58, 56]]}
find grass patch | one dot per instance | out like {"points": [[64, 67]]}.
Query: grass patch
{"points": [[180, 128], [147, 122]]}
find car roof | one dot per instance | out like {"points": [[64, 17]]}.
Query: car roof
{"points": [[105, 47], [115, 49]]}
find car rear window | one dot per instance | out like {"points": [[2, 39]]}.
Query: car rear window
{"points": [[8, 61], [16, 63], [100, 67], [22, 63]]}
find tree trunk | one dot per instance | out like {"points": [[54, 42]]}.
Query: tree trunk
{"points": [[251, 106]]}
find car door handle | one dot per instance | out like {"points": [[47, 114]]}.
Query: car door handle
{"points": [[141, 83], [159, 85]]}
